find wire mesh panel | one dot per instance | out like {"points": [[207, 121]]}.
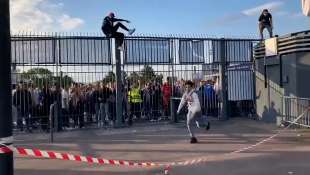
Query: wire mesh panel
{"points": [[33, 50], [77, 75], [83, 50], [192, 51], [147, 51]]}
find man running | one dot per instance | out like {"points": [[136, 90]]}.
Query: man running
{"points": [[265, 21], [110, 29], [194, 109]]}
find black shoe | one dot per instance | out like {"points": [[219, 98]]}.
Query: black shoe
{"points": [[130, 123], [208, 126], [194, 140]]}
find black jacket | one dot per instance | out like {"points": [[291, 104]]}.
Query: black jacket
{"points": [[22, 101]]}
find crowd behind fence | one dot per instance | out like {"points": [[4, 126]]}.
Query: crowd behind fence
{"points": [[83, 105]]}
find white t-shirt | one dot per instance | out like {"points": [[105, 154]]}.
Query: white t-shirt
{"points": [[305, 7], [192, 100]]}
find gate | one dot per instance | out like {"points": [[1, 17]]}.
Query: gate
{"points": [[296, 111], [79, 73]]}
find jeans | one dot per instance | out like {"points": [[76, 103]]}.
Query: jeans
{"points": [[194, 118], [261, 30]]}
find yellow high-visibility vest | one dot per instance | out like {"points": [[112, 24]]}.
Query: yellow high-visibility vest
{"points": [[134, 96]]}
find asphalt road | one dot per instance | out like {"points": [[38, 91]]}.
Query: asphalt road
{"points": [[286, 154]]}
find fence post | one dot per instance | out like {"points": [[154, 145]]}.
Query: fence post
{"points": [[223, 71], [51, 117], [174, 118], [119, 84], [6, 160]]}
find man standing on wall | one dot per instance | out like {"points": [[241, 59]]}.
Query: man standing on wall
{"points": [[265, 21], [110, 29]]}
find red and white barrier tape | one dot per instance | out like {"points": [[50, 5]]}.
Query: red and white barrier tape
{"points": [[5, 150], [71, 157]]}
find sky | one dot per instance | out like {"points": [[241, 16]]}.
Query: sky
{"points": [[218, 18]]}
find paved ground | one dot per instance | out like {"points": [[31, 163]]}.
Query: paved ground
{"points": [[289, 153]]}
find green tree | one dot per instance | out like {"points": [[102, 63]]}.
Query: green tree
{"points": [[41, 76], [109, 78], [63, 80], [134, 77], [38, 76], [159, 78], [147, 74]]}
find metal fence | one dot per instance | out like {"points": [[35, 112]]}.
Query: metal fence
{"points": [[297, 111], [78, 73]]}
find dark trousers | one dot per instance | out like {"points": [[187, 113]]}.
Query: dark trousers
{"points": [[112, 33], [20, 117], [261, 30], [65, 117], [134, 110]]}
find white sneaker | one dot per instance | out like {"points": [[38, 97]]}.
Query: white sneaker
{"points": [[131, 31], [197, 123], [121, 48]]}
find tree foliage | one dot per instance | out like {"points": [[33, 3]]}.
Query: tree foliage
{"points": [[41, 76]]}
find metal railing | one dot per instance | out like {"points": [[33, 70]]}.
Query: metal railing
{"points": [[82, 70], [296, 111]]}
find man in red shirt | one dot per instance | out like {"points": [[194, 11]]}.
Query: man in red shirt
{"points": [[167, 92]]}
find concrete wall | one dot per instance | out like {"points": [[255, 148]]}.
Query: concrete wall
{"points": [[295, 79], [303, 74], [289, 74], [269, 99]]}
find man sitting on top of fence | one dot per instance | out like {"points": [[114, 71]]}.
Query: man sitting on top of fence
{"points": [[110, 30]]}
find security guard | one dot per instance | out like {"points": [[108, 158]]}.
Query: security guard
{"points": [[135, 100]]}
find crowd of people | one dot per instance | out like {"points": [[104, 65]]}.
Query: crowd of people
{"points": [[81, 104]]}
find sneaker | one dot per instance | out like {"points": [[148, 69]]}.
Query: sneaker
{"points": [[208, 126], [194, 140], [131, 31], [121, 48], [197, 123]]}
